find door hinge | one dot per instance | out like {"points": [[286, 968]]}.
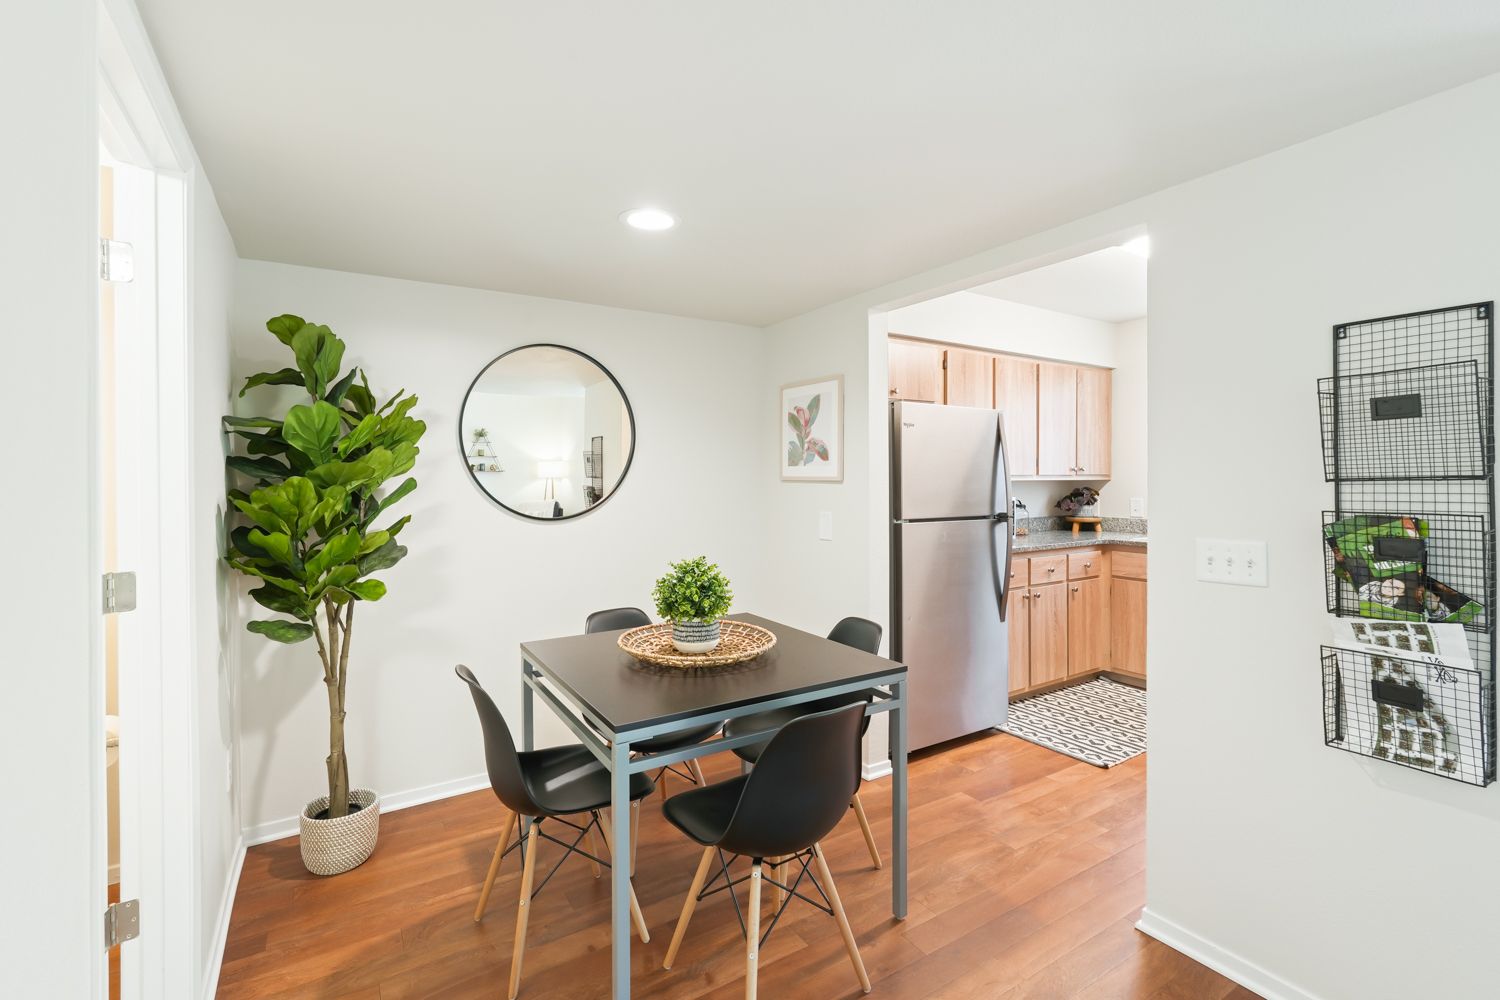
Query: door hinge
{"points": [[116, 261], [119, 592], [122, 922]]}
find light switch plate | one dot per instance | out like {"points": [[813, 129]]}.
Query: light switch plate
{"points": [[1239, 563], [825, 526], [1137, 506]]}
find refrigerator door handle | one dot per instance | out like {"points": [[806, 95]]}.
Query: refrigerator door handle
{"points": [[1003, 513], [1002, 573]]}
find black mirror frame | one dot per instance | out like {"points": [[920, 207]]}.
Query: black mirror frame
{"points": [[463, 450]]}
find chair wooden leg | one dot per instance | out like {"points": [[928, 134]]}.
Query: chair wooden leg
{"points": [[523, 911], [688, 906], [635, 833], [635, 905], [778, 875], [752, 934], [864, 824], [697, 770], [489, 880], [661, 783], [838, 913], [594, 847]]}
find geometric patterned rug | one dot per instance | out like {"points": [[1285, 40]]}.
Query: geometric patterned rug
{"points": [[1100, 722]]}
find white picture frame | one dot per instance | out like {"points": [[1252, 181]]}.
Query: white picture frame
{"points": [[811, 430]]}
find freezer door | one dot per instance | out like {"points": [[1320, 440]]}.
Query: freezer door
{"points": [[946, 461], [951, 637]]}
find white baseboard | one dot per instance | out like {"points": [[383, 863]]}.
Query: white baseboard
{"points": [[874, 772], [276, 829], [1223, 961], [221, 925]]}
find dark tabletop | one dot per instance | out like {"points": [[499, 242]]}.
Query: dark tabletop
{"points": [[626, 694]]}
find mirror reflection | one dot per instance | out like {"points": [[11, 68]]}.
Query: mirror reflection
{"points": [[547, 432]]}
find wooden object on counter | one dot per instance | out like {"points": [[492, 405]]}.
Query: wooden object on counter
{"points": [[1097, 522]]}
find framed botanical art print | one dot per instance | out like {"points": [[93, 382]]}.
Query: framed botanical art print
{"points": [[812, 431]]}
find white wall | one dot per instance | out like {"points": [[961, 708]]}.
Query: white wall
{"points": [[991, 324], [479, 581], [1128, 421], [215, 631], [51, 715], [1301, 871]]}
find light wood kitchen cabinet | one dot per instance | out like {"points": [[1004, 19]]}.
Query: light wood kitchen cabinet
{"points": [[1057, 420], [1015, 397], [1018, 617], [968, 378], [916, 371], [1049, 633], [1088, 626], [1093, 423], [1128, 626]]}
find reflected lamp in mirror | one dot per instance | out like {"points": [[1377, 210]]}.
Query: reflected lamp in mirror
{"points": [[558, 421]]}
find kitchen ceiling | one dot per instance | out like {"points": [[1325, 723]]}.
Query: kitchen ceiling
{"points": [[1107, 284], [810, 151]]}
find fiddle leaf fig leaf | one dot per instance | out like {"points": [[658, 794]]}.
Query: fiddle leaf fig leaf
{"points": [[396, 494], [367, 590], [337, 390], [286, 376], [262, 468], [313, 430], [282, 631], [338, 550], [382, 558], [285, 327], [280, 600]]}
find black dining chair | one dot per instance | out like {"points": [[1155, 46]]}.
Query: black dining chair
{"points": [[781, 810], [861, 633], [543, 785], [623, 618]]}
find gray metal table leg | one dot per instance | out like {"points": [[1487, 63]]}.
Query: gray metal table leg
{"points": [[619, 873], [898, 802], [528, 699]]}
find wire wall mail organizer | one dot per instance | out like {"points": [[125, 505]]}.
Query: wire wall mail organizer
{"points": [[1409, 444]]}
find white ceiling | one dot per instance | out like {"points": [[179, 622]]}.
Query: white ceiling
{"points": [[1107, 284], [812, 150]]}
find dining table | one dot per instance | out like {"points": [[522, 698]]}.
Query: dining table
{"points": [[610, 700]]}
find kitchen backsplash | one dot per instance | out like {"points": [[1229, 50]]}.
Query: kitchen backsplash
{"points": [[1136, 525]]}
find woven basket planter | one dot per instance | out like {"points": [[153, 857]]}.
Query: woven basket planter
{"points": [[334, 846]]}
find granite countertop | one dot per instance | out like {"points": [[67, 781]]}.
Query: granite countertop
{"points": [[1040, 541]]}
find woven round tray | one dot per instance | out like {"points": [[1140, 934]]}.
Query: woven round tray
{"points": [[738, 642]]}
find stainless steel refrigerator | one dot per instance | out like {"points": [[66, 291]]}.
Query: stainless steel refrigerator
{"points": [[950, 566]]}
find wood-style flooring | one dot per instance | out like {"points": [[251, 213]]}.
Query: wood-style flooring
{"points": [[1027, 875]]}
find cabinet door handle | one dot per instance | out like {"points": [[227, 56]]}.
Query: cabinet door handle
{"points": [[1075, 590], [1087, 565], [1052, 569], [1079, 469]]}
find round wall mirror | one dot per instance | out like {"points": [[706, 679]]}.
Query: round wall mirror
{"points": [[547, 432]]}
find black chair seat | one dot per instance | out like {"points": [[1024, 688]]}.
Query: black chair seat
{"points": [[704, 813], [570, 779], [778, 717], [676, 741]]}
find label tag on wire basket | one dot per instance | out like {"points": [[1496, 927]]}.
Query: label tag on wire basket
{"points": [[1396, 407]]}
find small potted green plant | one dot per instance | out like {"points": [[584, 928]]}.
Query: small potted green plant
{"points": [[693, 596], [1082, 502]]}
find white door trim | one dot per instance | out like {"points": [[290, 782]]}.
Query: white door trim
{"points": [[160, 852]]}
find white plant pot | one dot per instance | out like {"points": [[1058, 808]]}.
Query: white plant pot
{"points": [[1092, 510], [334, 846], [695, 637]]}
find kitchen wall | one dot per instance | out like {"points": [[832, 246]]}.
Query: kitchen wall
{"points": [[479, 581], [987, 323], [1270, 856]]}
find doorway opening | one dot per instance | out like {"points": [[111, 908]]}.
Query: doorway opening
{"points": [[1054, 354]]}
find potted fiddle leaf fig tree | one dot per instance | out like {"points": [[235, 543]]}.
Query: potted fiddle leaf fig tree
{"points": [[316, 480]]}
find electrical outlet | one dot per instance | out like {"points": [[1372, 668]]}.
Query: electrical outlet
{"points": [[1240, 564], [825, 526], [1137, 506]]}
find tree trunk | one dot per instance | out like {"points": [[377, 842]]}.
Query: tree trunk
{"points": [[337, 762]]}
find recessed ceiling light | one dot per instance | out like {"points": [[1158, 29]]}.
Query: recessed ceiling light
{"points": [[651, 220], [1140, 246]]}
